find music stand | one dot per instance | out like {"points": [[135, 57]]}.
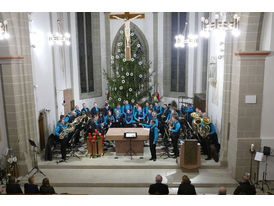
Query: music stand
{"points": [[32, 143], [130, 135]]}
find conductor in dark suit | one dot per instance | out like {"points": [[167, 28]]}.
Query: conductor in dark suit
{"points": [[158, 188], [12, 187], [31, 188]]}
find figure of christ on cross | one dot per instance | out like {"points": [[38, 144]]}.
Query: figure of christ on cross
{"points": [[127, 17]]}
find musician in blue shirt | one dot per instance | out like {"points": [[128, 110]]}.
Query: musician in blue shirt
{"points": [[172, 112], [77, 111], [62, 117], [213, 146], [175, 133], [126, 107], [70, 117], [183, 110], [109, 119], [148, 117], [154, 117], [118, 119], [106, 109], [139, 115], [98, 123], [153, 137], [85, 109], [129, 118], [59, 129], [94, 111], [146, 108], [101, 119], [118, 108], [166, 112], [135, 108], [157, 108]]}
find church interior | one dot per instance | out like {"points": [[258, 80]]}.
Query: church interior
{"points": [[107, 103]]}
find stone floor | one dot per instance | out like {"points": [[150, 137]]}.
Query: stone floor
{"points": [[111, 175]]}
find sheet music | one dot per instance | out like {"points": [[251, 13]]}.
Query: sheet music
{"points": [[259, 156]]}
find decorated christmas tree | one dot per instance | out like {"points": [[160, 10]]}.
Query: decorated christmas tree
{"points": [[129, 80]]}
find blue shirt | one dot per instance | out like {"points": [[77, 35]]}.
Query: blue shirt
{"points": [[120, 110], [145, 110], [177, 127], [140, 115], [183, 110], [129, 118], [78, 113], [157, 109], [169, 116], [111, 119], [149, 117], [212, 129], [126, 107], [59, 129], [190, 110], [94, 111], [152, 127], [86, 110], [156, 120]]}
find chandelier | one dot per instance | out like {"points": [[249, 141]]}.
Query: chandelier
{"points": [[182, 41], [59, 38], [4, 30], [220, 25]]}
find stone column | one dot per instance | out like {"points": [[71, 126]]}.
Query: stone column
{"points": [[245, 118], [18, 91]]}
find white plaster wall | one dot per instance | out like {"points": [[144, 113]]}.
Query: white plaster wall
{"points": [[51, 66], [42, 66], [267, 129], [215, 94], [3, 131]]}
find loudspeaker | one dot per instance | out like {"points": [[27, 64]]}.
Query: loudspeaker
{"points": [[266, 151]]}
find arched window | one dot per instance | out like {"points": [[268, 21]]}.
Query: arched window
{"points": [[137, 37]]}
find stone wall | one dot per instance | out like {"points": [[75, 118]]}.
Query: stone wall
{"points": [[18, 91]]}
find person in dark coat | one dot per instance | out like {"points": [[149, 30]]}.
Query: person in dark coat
{"points": [[245, 188], [13, 188], [158, 188], [186, 188], [46, 188], [31, 188]]}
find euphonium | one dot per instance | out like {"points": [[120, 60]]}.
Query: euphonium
{"points": [[66, 131]]}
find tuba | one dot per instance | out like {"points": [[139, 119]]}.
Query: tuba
{"points": [[196, 123], [205, 128]]}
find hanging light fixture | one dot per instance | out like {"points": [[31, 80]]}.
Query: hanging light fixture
{"points": [[4, 30], [182, 41], [220, 26], [59, 38]]}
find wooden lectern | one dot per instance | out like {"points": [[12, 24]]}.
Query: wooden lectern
{"points": [[190, 156]]}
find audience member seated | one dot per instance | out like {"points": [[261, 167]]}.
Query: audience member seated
{"points": [[245, 188], [31, 188], [186, 188], [222, 191], [158, 188], [12, 187], [46, 188]]}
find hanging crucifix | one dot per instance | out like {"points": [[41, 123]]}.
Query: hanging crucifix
{"points": [[127, 17]]}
